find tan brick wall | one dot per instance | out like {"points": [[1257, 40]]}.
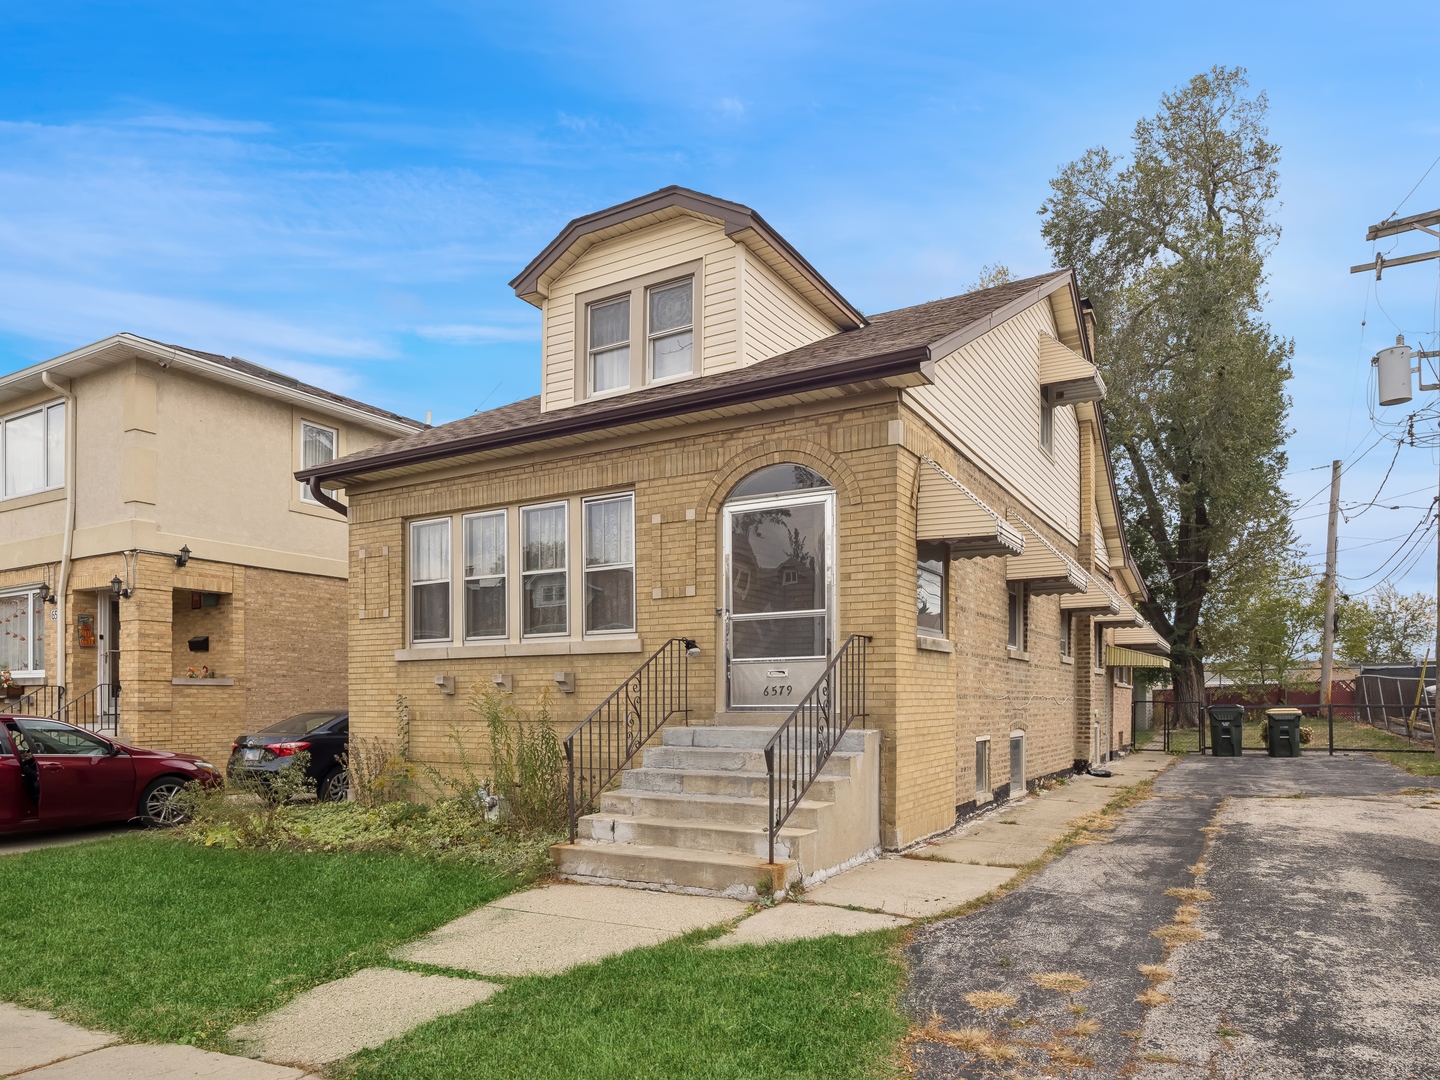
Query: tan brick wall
{"points": [[295, 648], [929, 706]]}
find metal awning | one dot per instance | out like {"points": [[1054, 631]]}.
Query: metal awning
{"points": [[949, 511], [1068, 376], [1045, 569], [1101, 599], [1126, 617], [1116, 656], [1146, 638]]}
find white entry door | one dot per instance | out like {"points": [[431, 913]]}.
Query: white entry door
{"points": [[107, 656], [779, 596]]}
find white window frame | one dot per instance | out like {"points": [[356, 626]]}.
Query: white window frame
{"points": [[448, 581], [586, 568], [651, 335], [305, 495], [37, 615], [1067, 634], [45, 410], [525, 575], [590, 350], [504, 575], [982, 783], [1017, 631]]}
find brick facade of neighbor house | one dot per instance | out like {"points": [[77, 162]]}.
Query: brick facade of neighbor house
{"points": [[156, 454], [783, 371]]}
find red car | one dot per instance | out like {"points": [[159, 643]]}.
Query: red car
{"points": [[53, 775]]}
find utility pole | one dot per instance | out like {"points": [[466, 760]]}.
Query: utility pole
{"points": [[1394, 371], [1327, 650]]}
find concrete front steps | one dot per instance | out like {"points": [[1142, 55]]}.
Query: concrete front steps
{"points": [[692, 817]]}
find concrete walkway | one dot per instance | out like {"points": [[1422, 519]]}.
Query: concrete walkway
{"points": [[554, 928]]}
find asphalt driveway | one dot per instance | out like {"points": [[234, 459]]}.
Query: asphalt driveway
{"points": [[1319, 957]]}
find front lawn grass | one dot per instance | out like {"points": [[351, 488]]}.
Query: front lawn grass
{"points": [[823, 1009], [162, 941]]}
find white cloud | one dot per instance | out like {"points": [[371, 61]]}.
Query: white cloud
{"points": [[470, 334]]}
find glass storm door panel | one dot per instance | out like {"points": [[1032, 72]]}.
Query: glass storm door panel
{"points": [[780, 583]]}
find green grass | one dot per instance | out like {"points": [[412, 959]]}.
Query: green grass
{"points": [[822, 1009], [162, 941]]}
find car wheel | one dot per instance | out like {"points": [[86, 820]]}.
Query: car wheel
{"points": [[158, 806], [336, 786]]}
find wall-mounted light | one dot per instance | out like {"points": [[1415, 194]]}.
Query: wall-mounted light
{"points": [[118, 590], [692, 649], [46, 596], [184, 556]]}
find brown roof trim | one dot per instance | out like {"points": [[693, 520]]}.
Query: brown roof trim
{"points": [[915, 360], [734, 216], [980, 327]]}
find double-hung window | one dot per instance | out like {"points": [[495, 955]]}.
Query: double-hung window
{"points": [[22, 632], [485, 577], [545, 557], [610, 564], [609, 345], [1018, 616], [318, 445], [930, 589], [430, 580], [671, 330], [33, 446]]}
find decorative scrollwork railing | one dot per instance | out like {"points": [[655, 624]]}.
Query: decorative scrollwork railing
{"points": [[609, 737], [803, 744]]}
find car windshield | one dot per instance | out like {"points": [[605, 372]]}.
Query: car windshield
{"points": [[301, 723]]}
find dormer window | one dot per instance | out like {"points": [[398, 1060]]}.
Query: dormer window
{"points": [[610, 345], [672, 330]]}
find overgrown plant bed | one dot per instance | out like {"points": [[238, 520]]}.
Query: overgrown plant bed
{"points": [[449, 828]]}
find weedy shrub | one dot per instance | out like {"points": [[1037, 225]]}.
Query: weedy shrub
{"points": [[526, 761], [379, 773]]}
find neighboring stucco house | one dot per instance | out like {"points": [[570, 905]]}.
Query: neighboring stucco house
{"points": [[725, 450], [151, 524]]}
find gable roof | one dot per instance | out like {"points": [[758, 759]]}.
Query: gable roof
{"points": [[231, 369], [896, 348], [741, 224]]}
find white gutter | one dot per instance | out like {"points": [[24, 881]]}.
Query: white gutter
{"points": [[71, 429]]}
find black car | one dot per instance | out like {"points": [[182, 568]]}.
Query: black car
{"points": [[324, 735]]}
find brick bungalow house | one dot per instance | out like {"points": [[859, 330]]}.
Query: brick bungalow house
{"points": [[915, 505], [151, 527]]}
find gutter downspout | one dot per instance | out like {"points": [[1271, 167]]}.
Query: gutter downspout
{"points": [[325, 500], [62, 639]]}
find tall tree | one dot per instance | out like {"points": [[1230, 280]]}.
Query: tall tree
{"points": [[1264, 623], [1170, 246], [1389, 627]]}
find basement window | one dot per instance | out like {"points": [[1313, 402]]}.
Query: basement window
{"points": [[982, 767]]}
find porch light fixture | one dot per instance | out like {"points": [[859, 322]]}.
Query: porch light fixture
{"points": [[184, 556], [46, 596], [692, 650], [118, 590]]}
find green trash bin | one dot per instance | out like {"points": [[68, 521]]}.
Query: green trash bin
{"points": [[1227, 730], [1282, 736]]}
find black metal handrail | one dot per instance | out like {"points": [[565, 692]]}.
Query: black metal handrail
{"points": [[45, 700], [803, 744], [606, 740], [85, 711]]}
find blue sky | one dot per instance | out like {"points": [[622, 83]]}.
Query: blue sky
{"points": [[342, 190]]}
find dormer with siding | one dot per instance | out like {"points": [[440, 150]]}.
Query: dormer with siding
{"points": [[671, 287]]}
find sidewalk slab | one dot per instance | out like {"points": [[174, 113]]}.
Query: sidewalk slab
{"points": [[356, 1013], [549, 930], [168, 1062], [792, 922], [29, 1038], [913, 888]]}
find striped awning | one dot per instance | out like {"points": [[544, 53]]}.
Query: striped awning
{"points": [[1044, 568], [1146, 638], [1126, 617], [1117, 656], [948, 511]]}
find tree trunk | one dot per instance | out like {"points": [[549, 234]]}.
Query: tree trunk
{"points": [[1189, 677]]}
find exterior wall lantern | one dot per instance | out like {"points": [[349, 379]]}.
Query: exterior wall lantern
{"points": [[46, 596], [692, 649], [184, 556], [118, 590]]}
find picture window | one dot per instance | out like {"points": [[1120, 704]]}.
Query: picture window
{"points": [[22, 632]]}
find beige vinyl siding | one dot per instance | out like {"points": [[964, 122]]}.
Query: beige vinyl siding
{"points": [[986, 396], [646, 251], [776, 318], [1102, 550]]}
